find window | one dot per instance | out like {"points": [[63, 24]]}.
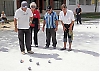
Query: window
{"points": [[72, 2], [88, 2], [57, 4], [81, 2], [85, 2]]}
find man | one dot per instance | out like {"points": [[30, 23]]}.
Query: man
{"points": [[78, 12], [21, 21], [51, 21], [67, 19]]}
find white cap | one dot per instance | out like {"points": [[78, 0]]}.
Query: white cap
{"points": [[24, 4]]}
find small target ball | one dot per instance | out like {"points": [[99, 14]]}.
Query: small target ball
{"points": [[29, 68]]}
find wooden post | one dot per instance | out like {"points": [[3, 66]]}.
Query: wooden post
{"points": [[43, 4]]}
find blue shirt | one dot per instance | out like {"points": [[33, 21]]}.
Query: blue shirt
{"points": [[50, 19]]}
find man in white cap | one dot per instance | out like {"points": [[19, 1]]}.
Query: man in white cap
{"points": [[22, 20]]}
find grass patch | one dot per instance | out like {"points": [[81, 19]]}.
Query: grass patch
{"points": [[91, 15]]}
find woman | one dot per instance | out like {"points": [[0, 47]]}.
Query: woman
{"points": [[35, 23]]}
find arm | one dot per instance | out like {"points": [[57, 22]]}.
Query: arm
{"points": [[60, 18], [72, 22], [15, 24], [80, 11], [15, 20], [75, 11], [56, 21], [31, 18], [38, 15], [44, 22]]}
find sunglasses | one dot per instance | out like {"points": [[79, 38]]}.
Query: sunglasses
{"points": [[33, 6], [48, 10]]}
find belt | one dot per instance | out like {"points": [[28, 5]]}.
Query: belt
{"points": [[67, 24]]}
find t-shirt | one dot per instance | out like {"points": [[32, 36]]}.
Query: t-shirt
{"points": [[68, 18], [36, 17], [23, 18], [36, 14], [50, 19]]}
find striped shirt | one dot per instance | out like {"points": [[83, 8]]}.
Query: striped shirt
{"points": [[50, 19]]}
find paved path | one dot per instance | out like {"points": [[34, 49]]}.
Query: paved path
{"points": [[84, 57]]}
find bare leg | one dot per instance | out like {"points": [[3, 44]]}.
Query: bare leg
{"points": [[65, 44]]}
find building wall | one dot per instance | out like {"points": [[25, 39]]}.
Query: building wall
{"points": [[7, 6], [84, 6]]}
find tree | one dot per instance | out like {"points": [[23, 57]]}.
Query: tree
{"points": [[96, 2]]}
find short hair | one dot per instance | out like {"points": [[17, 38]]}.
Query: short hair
{"points": [[32, 4], [3, 11], [63, 6]]}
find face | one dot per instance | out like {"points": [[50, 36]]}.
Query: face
{"points": [[78, 6], [24, 9], [64, 9], [49, 11], [33, 7]]}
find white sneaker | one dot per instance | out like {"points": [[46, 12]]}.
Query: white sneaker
{"points": [[23, 52]]}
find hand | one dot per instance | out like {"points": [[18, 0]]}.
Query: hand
{"points": [[43, 29], [79, 13], [56, 28], [30, 23], [70, 28], [16, 29], [64, 29]]}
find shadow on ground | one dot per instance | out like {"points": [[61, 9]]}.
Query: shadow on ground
{"points": [[87, 52], [41, 55], [3, 50]]}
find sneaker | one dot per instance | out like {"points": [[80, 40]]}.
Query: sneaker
{"points": [[54, 47], [46, 47], [23, 52], [31, 52], [36, 45], [63, 49]]}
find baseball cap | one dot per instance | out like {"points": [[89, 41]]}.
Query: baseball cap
{"points": [[48, 7], [24, 4]]}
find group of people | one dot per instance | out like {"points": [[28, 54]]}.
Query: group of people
{"points": [[26, 20]]}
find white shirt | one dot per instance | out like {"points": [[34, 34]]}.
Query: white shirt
{"points": [[68, 18], [23, 18], [3, 15]]}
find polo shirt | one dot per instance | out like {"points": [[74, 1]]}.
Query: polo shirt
{"points": [[23, 18], [50, 19], [36, 14], [68, 18]]}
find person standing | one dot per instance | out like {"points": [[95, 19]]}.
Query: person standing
{"points": [[67, 19], [35, 23], [22, 19], [51, 21], [78, 12]]}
